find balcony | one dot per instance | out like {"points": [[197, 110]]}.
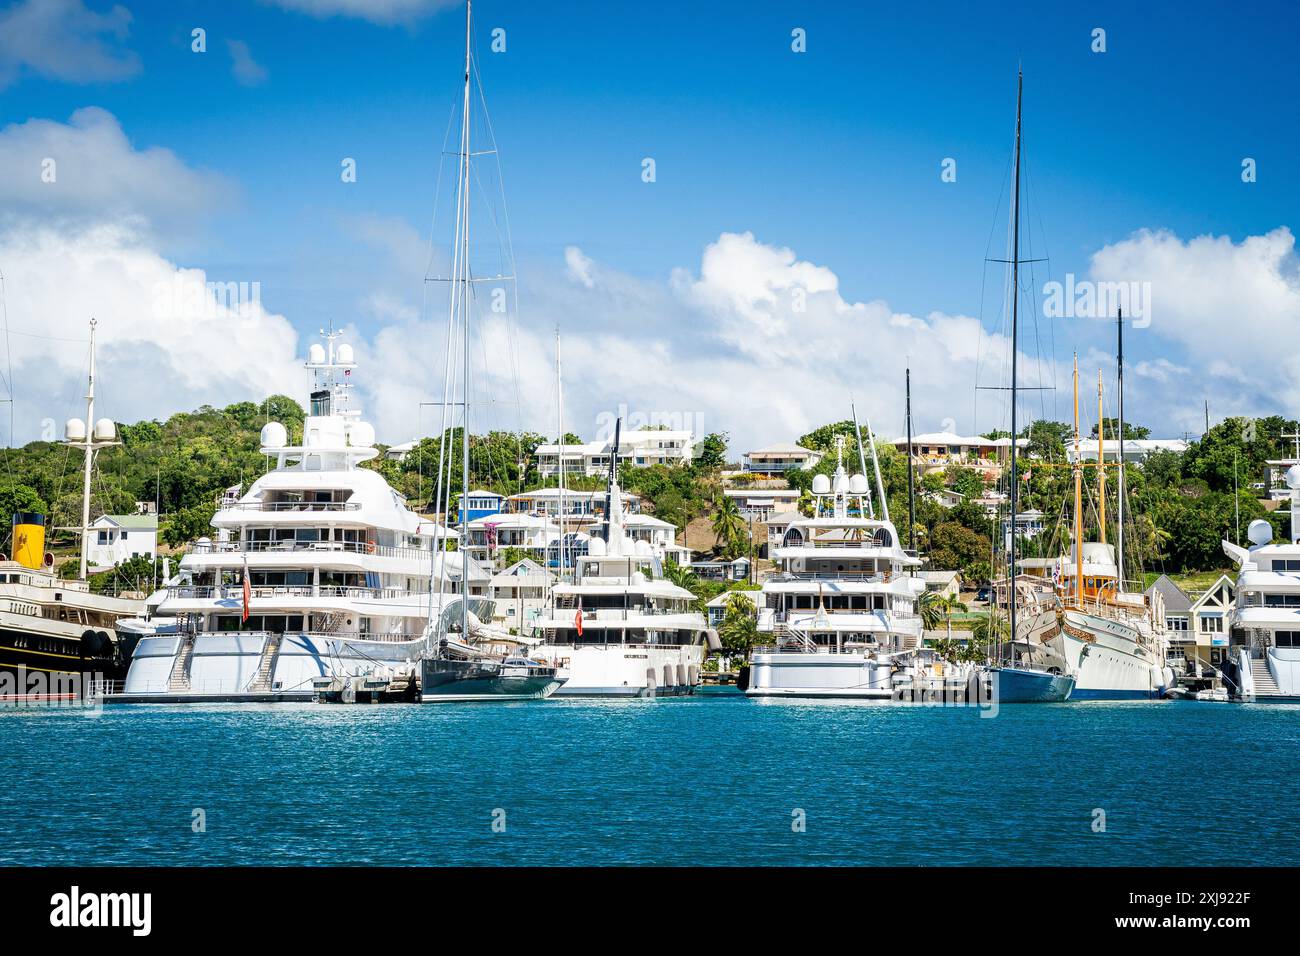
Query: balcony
{"points": [[318, 547], [235, 592], [292, 507]]}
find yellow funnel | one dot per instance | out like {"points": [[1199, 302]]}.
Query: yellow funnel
{"points": [[29, 539]]}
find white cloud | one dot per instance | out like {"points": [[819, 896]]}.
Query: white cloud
{"points": [[245, 70], [1231, 307], [166, 341], [578, 267], [382, 12], [63, 40], [86, 170], [726, 349]]}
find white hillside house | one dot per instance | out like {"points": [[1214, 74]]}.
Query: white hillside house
{"points": [[118, 538]]}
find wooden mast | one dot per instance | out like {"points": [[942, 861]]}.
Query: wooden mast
{"points": [[1101, 463], [1078, 494]]}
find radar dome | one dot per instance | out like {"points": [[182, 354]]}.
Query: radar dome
{"points": [[274, 435], [316, 354], [596, 548], [858, 485], [643, 549], [343, 355], [1260, 532], [821, 485], [361, 435], [841, 482], [75, 430], [1293, 477], [105, 430]]}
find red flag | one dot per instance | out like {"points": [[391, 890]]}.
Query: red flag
{"points": [[577, 621], [248, 593]]}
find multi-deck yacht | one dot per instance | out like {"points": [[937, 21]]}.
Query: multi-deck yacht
{"points": [[841, 607], [620, 628], [319, 570], [1263, 661]]}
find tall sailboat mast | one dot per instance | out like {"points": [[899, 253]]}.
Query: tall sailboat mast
{"points": [[1015, 315], [1119, 504], [911, 493], [460, 302], [1101, 464], [559, 422], [1078, 494]]}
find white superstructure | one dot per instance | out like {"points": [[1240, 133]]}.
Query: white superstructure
{"points": [[1264, 624], [841, 608], [320, 569], [621, 629]]}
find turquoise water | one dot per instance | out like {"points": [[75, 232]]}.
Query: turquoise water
{"points": [[697, 781]]}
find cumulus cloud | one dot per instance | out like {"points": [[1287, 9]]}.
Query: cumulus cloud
{"points": [[64, 40], [1229, 306], [245, 70], [382, 12], [578, 267], [757, 343], [86, 170], [168, 339]]}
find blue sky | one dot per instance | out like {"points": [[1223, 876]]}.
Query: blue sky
{"points": [[834, 153]]}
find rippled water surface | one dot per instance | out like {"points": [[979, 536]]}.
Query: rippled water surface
{"points": [[696, 781]]}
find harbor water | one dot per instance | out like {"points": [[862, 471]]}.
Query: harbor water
{"points": [[709, 780]]}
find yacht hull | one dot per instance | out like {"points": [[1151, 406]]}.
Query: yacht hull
{"points": [[1019, 685], [169, 668], [625, 670], [50, 664], [1109, 659], [819, 675], [448, 681]]}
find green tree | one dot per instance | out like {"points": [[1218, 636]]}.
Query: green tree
{"points": [[729, 528], [738, 631]]}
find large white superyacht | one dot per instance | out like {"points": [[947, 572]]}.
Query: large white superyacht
{"points": [[620, 628], [320, 570], [842, 606], [1263, 662]]}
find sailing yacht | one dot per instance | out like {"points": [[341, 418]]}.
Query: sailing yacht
{"points": [[58, 638], [620, 628], [1263, 661], [842, 605], [1113, 641], [1016, 680], [318, 571]]}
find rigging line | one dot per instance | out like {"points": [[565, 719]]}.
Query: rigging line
{"points": [[511, 320], [1042, 229], [437, 193], [1030, 190], [979, 352]]}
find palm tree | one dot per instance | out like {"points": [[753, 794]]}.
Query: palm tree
{"points": [[931, 613], [680, 575], [948, 606], [729, 528]]}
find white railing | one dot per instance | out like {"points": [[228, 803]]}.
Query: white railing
{"points": [[281, 506], [236, 592], [289, 547], [857, 577]]}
